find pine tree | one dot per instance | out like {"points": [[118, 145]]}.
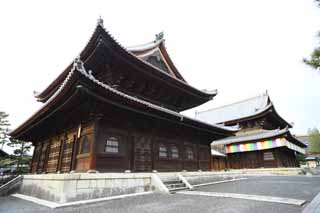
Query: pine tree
{"points": [[21, 150], [314, 141], [314, 60], [4, 124]]}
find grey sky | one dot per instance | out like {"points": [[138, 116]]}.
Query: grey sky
{"points": [[241, 48]]}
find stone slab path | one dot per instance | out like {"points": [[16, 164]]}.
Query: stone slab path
{"points": [[247, 197]]}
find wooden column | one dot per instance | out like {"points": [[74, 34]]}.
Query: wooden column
{"points": [[39, 157], [33, 159], [198, 156], [132, 157], [153, 151], [60, 155], [75, 146], [45, 163], [93, 153], [73, 153]]}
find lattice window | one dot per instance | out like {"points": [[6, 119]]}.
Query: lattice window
{"points": [[112, 145], [163, 152], [189, 153], [268, 156], [174, 152]]}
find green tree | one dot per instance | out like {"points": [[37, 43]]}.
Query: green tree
{"points": [[20, 150], [314, 60], [314, 140], [4, 124]]}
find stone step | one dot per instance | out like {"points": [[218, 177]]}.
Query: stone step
{"points": [[177, 185], [173, 190], [172, 181]]}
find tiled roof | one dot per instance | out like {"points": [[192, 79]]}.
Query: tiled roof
{"points": [[101, 31], [79, 67], [251, 136], [238, 110]]}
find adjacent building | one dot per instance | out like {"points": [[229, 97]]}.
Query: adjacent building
{"points": [[263, 139], [117, 109]]}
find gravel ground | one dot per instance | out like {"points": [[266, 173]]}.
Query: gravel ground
{"points": [[291, 187]]}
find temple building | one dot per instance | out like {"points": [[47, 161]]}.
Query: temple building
{"points": [[117, 109], [263, 139]]}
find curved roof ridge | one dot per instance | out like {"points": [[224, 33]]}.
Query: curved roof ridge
{"points": [[101, 31], [143, 47], [78, 66]]}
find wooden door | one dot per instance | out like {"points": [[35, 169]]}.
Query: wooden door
{"points": [[142, 154]]}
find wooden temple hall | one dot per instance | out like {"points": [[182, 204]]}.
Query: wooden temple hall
{"points": [[116, 109], [263, 139]]}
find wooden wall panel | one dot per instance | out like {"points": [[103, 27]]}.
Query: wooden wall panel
{"points": [[271, 158], [54, 154], [67, 152], [35, 159], [43, 155], [83, 163]]}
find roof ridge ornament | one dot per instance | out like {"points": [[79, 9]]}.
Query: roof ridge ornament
{"points": [[159, 36], [78, 64], [100, 22]]}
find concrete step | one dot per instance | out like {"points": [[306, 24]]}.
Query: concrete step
{"points": [[173, 190], [176, 185], [172, 181]]}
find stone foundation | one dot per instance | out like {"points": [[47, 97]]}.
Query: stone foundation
{"points": [[63, 188]]}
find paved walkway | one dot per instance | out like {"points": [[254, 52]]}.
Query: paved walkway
{"points": [[299, 188], [247, 197], [314, 206]]}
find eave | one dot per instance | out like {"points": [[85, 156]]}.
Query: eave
{"points": [[78, 80], [264, 135], [100, 34], [269, 110]]}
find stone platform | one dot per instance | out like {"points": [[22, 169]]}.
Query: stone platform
{"points": [[67, 188]]}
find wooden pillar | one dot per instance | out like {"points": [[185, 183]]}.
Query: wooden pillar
{"points": [[93, 153], [33, 159], [45, 163], [198, 156], [153, 147], [39, 157], [132, 155], [152, 153], [74, 153], [60, 155], [183, 156]]}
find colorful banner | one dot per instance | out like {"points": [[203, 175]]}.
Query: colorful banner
{"points": [[261, 145]]}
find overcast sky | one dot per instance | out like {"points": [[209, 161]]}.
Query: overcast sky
{"points": [[241, 48]]}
